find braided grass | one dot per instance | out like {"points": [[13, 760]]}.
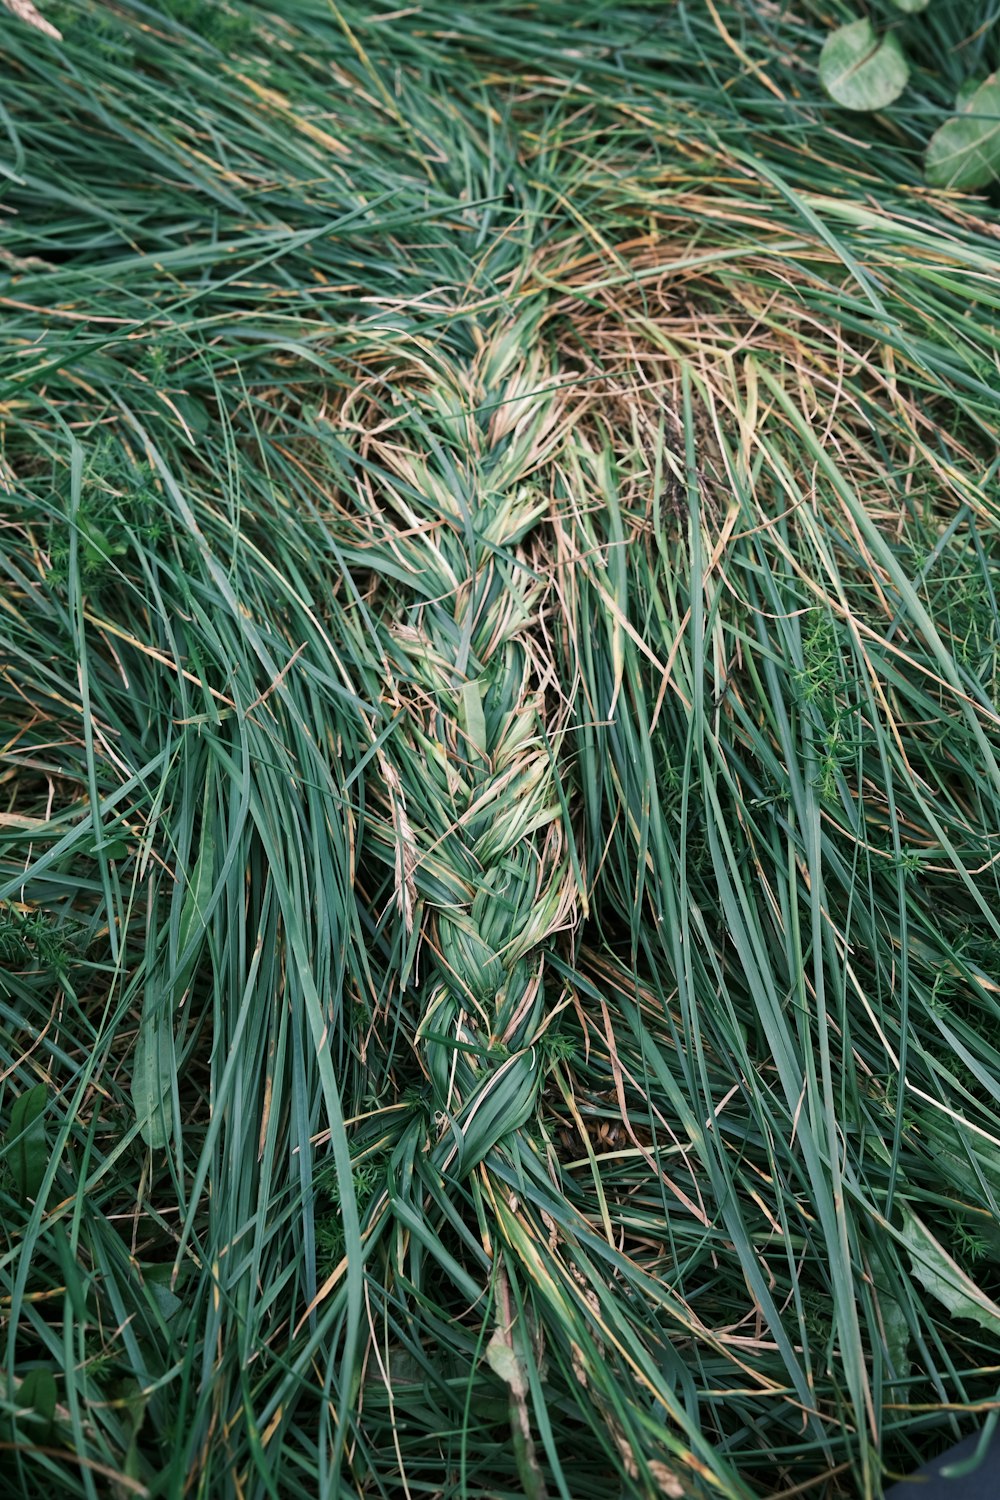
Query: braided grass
{"points": [[447, 505], [480, 849]]}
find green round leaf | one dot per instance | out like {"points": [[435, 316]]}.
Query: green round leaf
{"points": [[911, 7], [859, 71], [38, 1394], [28, 1142], [114, 849], [967, 93], [193, 412], [965, 151]]}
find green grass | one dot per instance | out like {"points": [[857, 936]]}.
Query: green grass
{"points": [[499, 756]]}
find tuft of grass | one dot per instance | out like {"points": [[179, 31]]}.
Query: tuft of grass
{"points": [[499, 756]]}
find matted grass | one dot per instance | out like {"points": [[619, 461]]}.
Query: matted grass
{"points": [[498, 856]]}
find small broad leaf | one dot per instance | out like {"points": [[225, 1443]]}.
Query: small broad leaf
{"points": [[944, 1278], [153, 1069], [29, 1146], [965, 94], [895, 1327], [113, 849], [911, 7], [158, 1282], [965, 152], [167, 1303], [97, 546], [38, 1394], [504, 1362], [859, 71], [193, 414]]}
